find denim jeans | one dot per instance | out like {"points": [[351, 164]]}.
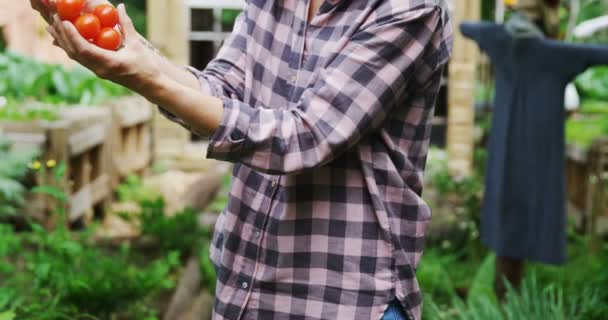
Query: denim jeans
{"points": [[394, 312]]}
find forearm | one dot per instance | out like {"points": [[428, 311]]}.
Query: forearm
{"points": [[176, 73], [203, 113]]}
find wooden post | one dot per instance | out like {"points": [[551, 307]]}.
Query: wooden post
{"points": [[79, 140], [597, 185], [167, 30], [461, 92], [131, 129]]}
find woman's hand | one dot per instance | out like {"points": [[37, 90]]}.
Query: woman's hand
{"points": [[133, 66], [44, 7]]}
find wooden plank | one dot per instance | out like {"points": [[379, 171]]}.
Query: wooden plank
{"points": [[87, 138], [461, 91], [577, 175], [597, 200], [462, 71], [577, 153], [170, 139], [587, 182], [80, 202], [131, 142], [460, 148], [79, 140], [131, 111], [27, 140], [167, 29], [100, 189]]}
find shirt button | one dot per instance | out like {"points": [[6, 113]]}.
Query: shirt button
{"points": [[258, 234], [294, 78], [273, 183], [244, 285]]}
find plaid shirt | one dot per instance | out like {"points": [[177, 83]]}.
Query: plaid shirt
{"points": [[328, 124]]}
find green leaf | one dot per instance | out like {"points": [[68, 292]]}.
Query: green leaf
{"points": [[483, 282], [51, 191], [8, 315], [61, 83], [37, 228], [59, 171]]}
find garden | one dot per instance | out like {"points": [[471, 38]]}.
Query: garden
{"points": [[107, 209]]}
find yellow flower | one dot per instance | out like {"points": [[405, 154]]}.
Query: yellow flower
{"points": [[51, 163], [35, 165]]}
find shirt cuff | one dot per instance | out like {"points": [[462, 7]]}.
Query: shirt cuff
{"points": [[230, 139], [205, 87]]}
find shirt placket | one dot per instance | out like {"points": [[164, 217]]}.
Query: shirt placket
{"points": [[258, 233], [295, 63]]}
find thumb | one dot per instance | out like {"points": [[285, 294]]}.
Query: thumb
{"points": [[126, 24]]}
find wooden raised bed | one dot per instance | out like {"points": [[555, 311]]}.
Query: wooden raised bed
{"points": [[170, 139], [80, 141], [131, 136], [587, 177]]}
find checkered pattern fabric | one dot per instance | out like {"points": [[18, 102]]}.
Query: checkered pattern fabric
{"points": [[328, 124]]}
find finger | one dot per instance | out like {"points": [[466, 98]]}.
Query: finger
{"points": [[42, 8], [57, 41], [54, 30], [126, 24], [52, 7], [59, 27]]}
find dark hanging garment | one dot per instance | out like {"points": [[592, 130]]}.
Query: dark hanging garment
{"points": [[524, 212]]}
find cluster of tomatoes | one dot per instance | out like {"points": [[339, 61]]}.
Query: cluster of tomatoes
{"points": [[98, 27]]}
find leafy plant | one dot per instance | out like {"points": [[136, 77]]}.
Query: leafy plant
{"points": [[137, 11], [593, 83], [574, 291], [583, 130], [180, 232], [221, 200], [13, 168], [458, 201], [591, 106], [534, 301], [62, 275], [23, 78], [133, 190], [208, 275], [482, 284], [28, 110], [434, 277]]}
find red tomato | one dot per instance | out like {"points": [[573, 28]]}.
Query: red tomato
{"points": [[88, 26], [69, 9], [109, 39], [107, 14]]}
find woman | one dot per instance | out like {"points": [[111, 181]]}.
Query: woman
{"points": [[325, 109]]}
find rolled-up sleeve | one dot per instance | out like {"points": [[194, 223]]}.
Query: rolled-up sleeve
{"points": [[351, 97], [224, 75]]}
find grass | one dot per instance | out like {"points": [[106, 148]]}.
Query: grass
{"points": [[456, 288]]}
